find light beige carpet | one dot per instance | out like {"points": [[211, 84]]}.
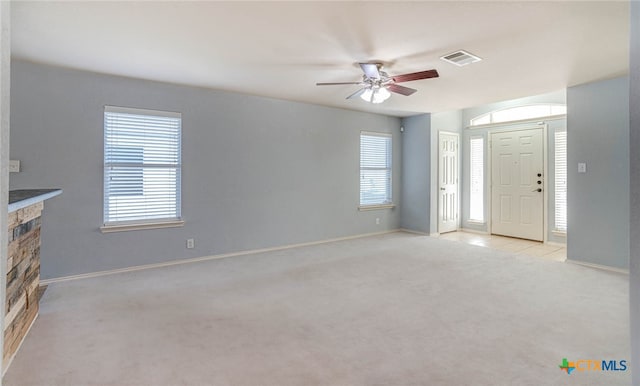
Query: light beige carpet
{"points": [[398, 309]]}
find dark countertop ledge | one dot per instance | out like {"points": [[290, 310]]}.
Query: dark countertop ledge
{"points": [[21, 198]]}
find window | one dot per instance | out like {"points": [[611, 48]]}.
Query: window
{"points": [[560, 145], [142, 167], [519, 113], [132, 178], [476, 195], [375, 169]]}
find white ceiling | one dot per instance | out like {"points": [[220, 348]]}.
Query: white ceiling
{"points": [[281, 49]]}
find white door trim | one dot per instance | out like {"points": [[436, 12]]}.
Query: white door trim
{"points": [[545, 163], [457, 135]]}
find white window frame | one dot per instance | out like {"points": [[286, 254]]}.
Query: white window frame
{"points": [[480, 178], [158, 136], [492, 117], [386, 158], [560, 182]]}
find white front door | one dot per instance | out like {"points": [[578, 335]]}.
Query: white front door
{"points": [[447, 182], [517, 184]]}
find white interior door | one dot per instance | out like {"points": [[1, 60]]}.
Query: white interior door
{"points": [[447, 182], [517, 184]]}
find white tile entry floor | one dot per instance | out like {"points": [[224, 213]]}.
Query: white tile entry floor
{"points": [[509, 244]]}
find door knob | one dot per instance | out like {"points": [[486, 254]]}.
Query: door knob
{"points": [[539, 174], [537, 190], [539, 182]]}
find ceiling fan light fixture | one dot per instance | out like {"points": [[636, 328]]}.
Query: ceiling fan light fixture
{"points": [[382, 95], [366, 95], [377, 85], [377, 95]]}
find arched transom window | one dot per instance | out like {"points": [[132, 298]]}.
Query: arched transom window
{"points": [[519, 113]]}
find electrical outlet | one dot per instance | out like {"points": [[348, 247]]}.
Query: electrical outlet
{"points": [[190, 244], [14, 166], [377, 220]]}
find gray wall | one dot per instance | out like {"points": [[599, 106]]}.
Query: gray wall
{"points": [[257, 172], [416, 173], [634, 265], [598, 134], [420, 168]]}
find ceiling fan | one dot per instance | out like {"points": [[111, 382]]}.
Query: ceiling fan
{"points": [[376, 83]]}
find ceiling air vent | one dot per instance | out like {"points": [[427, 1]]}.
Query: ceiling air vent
{"points": [[460, 58]]}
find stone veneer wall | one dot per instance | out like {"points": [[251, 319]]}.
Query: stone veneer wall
{"points": [[23, 277]]}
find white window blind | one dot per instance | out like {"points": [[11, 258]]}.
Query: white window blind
{"points": [[142, 166], [476, 196], [375, 169], [560, 145]]}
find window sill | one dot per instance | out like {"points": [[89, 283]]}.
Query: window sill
{"points": [[559, 233], [476, 222], [376, 207], [141, 226]]}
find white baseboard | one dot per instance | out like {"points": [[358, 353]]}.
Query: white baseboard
{"points": [[599, 266], [206, 258], [469, 230], [413, 232]]}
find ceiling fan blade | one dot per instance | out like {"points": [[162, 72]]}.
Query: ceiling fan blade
{"points": [[416, 76], [401, 89], [357, 93], [336, 83], [370, 70]]}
